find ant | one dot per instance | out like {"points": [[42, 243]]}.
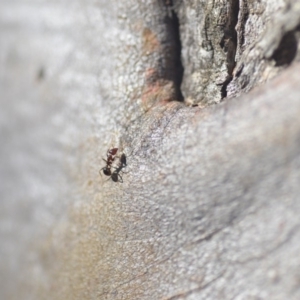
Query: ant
{"points": [[111, 155], [116, 176]]}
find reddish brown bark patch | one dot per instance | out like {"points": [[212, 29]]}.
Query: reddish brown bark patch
{"points": [[160, 91], [150, 41]]}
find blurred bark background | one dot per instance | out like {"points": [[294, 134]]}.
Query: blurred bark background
{"points": [[203, 98]]}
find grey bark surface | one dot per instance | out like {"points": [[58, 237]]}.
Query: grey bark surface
{"points": [[203, 98]]}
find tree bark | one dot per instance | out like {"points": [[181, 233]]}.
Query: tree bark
{"points": [[202, 98]]}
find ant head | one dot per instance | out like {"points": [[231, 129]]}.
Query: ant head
{"points": [[106, 171]]}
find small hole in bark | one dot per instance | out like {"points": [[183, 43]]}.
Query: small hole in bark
{"points": [[286, 51]]}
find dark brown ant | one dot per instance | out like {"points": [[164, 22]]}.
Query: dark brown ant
{"points": [[111, 155], [116, 176]]}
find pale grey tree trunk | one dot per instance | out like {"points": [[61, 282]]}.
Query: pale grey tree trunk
{"points": [[202, 97]]}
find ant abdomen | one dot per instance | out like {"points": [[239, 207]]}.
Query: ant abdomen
{"points": [[123, 160], [112, 151]]}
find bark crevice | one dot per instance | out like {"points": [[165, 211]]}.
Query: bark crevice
{"points": [[229, 43], [174, 67]]}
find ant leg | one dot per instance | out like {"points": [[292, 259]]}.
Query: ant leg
{"points": [[118, 170], [100, 173], [103, 167], [120, 178]]}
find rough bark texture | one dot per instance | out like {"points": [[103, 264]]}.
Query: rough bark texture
{"points": [[208, 204]]}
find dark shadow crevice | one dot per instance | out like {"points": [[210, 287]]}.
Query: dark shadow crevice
{"points": [[244, 15], [173, 68], [229, 43], [287, 50]]}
